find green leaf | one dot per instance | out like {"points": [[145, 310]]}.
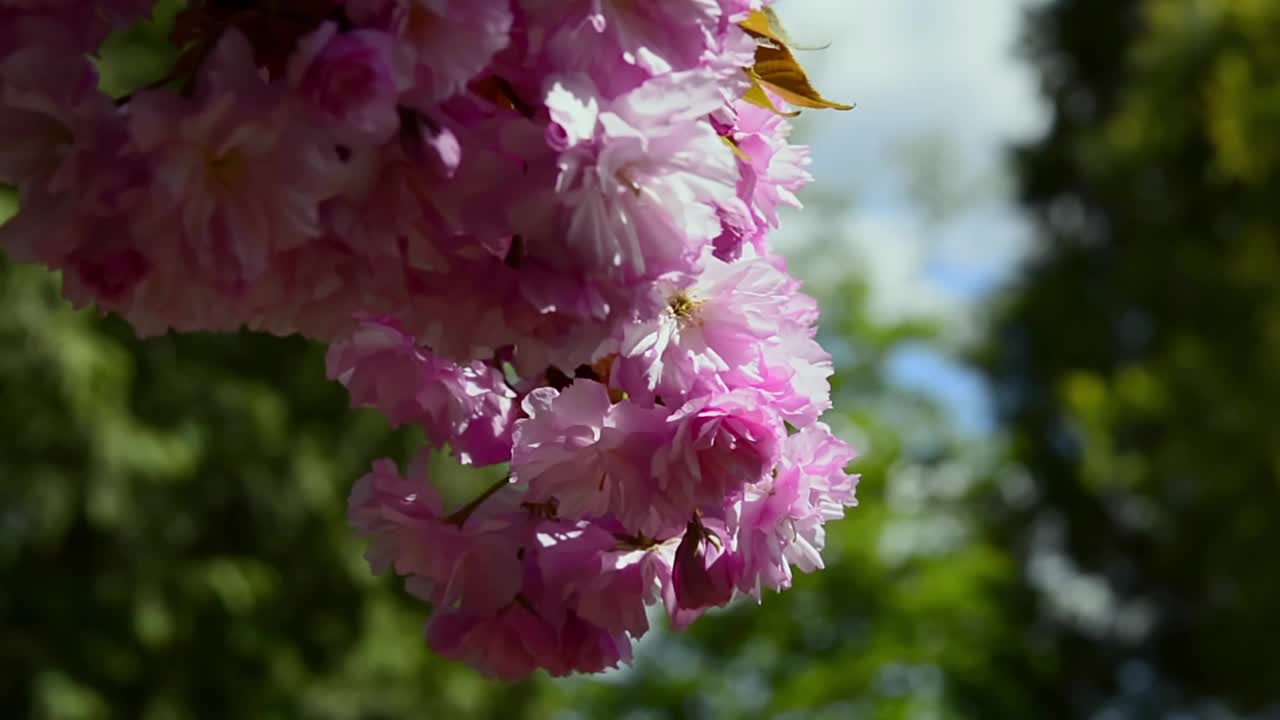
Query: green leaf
{"points": [[8, 203]]}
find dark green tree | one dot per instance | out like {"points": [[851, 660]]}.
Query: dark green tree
{"points": [[1138, 364]]}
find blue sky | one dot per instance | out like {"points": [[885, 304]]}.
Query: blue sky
{"points": [[934, 78]]}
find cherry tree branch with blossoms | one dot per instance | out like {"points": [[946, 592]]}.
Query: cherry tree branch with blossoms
{"points": [[536, 229]]}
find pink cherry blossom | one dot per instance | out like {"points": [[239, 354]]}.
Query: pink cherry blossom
{"points": [[471, 561], [536, 230], [232, 171], [86, 25], [639, 176], [508, 644], [469, 407], [51, 103], [782, 519], [776, 168], [711, 327], [350, 83], [591, 456], [721, 443], [446, 43]]}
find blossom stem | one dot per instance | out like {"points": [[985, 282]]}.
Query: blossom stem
{"points": [[460, 517]]}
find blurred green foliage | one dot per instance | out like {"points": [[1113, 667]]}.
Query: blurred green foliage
{"points": [[172, 540], [8, 203], [1138, 364]]}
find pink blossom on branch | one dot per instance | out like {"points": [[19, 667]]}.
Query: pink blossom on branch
{"points": [[235, 174], [536, 230], [350, 83], [593, 457], [782, 519], [639, 176], [445, 43], [467, 407]]}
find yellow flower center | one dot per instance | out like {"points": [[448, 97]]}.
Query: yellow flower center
{"points": [[683, 307]]}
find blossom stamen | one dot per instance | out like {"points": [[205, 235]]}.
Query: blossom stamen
{"points": [[684, 308]]}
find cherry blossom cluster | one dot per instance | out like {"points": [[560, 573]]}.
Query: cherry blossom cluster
{"points": [[536, 229]]}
